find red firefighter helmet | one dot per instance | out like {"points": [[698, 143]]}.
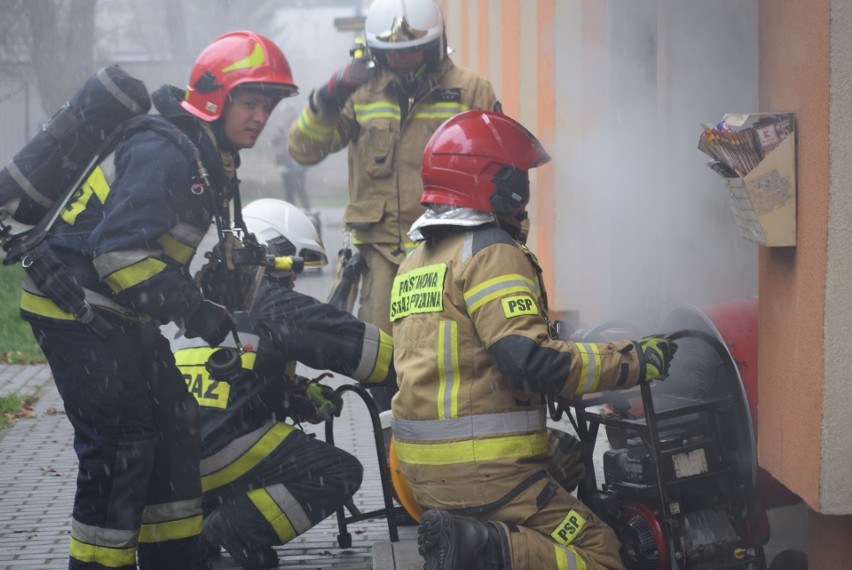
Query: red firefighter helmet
{"points": [[236, 58], [480, 160]]}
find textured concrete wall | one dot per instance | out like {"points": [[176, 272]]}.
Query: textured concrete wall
{"points": [[794, 76], [836, 476]]}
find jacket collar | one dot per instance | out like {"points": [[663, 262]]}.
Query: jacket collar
{"points": [[385, 77]]}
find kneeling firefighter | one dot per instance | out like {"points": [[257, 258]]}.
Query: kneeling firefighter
{"points": [[265, 481], [477, 359], [122, 249]]}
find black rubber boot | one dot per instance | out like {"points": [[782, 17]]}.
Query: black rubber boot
{"points": [[263, 557], [450, 542]]}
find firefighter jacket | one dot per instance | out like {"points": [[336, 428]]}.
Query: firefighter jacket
{"points": [[242, 420], [475, 358], [386, 132], [128, 236]]}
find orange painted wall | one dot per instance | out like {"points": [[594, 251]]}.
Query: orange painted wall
{"points": [[794, 76], [544, 129], [482, 47], [510, 90]]}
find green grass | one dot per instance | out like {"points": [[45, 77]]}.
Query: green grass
{"points": [[9, 406], [17, 344]]}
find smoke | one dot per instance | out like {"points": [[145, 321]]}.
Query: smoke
{"points": [[642, 223]]}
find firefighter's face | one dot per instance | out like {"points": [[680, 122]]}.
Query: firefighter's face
{"points": [[245, 117], [405, 61]]}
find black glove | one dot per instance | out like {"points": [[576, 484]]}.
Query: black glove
{"points": [[333, 95], [657, 353], [210, 321]]}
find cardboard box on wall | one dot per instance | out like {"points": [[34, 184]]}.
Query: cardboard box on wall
{"points": [[764, 200]]}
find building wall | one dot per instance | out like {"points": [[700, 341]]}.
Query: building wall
{"points": [[836, 472], [795, 76]]}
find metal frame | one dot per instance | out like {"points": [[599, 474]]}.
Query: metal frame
{"points": [[344, 538], [588, 422]]}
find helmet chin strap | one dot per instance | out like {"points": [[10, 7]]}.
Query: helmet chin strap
{"points": [[517, 225]]}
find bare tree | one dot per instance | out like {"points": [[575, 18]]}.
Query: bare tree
{"points": [[61, 36]]}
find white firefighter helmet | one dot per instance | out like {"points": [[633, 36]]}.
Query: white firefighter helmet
{"points": [[401, 24], [285, 229]]}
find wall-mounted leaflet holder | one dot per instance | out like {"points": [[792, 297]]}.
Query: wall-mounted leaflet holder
{"points": [[756, 156]]}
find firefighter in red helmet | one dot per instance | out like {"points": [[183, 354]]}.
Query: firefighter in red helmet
{"points": [[475, 357], [125, 243]]}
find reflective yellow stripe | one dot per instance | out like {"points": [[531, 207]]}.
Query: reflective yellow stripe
{"points": [[314, 130], [200, 356], [103, 555], [273, 514], [178, 251], [497, 287], [256, 59], [43, 306], [448, 370], [171, 530], [383, 359], [439, 110], [252, 457], [378, 110], [134, 274], [568, 559], [95, 184], [490, 449], [590, 371]]}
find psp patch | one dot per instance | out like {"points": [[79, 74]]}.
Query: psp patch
{"points": [[519, 305], [569, 528]]}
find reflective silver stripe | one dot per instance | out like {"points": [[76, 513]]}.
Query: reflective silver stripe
{"points": [[187, 234], [369, 353], [570, 558], [27, 186], [290, 507], [449, 369], [173, 511], [482, 425], [93, 298], [108, 263], [233, 450], [98, 536], [467, 247], [182, 342], [589, 356], [116, 92], [470, 301]]}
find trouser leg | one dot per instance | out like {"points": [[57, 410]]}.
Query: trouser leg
{"points": [[547, 527], [376, 285], [297, 486], [172, 519], [106, 389]]}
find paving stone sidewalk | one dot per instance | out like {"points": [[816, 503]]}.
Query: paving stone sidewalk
{"points": [[38, 473]]}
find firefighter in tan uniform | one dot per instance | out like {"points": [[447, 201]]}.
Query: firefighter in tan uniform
{"points": [[475, 360], [384, 106]]}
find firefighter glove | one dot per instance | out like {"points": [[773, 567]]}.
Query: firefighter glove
{"points": [[656, 353], [210, 321], [324, 403], [333, 95]]}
